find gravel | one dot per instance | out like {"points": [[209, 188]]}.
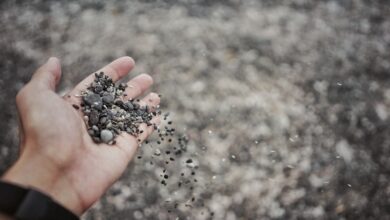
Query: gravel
{"points": [[108, 112]]}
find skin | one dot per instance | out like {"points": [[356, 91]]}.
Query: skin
{"points": [[57, 156]]}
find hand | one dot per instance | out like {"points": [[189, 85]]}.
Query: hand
{"points": [[58, 156]]}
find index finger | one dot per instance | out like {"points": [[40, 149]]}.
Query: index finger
{"points": [[116, 70]]}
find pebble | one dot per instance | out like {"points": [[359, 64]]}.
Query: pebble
{"points": [[103, 120], [129, 106], [108, 99], [106, 135], [91, 132], [98, 88], [157, 152], [94, 100], [93, 117]]}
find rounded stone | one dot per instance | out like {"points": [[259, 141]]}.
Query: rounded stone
{"points": [[93, 100], [106, 135], [129, 105], [108, 98]]}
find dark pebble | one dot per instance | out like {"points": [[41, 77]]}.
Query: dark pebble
{"points": [[76, 107], [129, 106], [178, 152], [108, 99], [94, 117], [98, 88], [119, 102], [96, 139]]}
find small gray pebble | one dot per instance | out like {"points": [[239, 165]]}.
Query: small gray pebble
{"points": [[121, 125], [93, 117], [98, 88], [96, 139], [130, 106], [108, 98], [95, 128], [110, 89], [103, 120], [91, 132], [106, 135], [157, 152], [94, 100]]}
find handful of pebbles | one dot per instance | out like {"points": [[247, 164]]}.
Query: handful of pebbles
{"points": [[107, 111]]}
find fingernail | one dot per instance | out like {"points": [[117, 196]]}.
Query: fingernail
{"points": [[145, 76], [52, 63], [53, 66]]}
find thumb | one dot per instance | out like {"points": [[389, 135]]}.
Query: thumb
{"points": [[48, 75]]}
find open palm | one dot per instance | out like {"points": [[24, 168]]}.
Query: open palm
{"points": [[54, 135]]}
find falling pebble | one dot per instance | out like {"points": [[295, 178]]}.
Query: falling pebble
{"points": [[339, 83], [349, 185], [256, 142], [210, 131], [233, 156], [214, 177], [157, 152], [293, 138]]}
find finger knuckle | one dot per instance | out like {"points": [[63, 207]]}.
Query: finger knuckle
{"points": [[20, 96]]}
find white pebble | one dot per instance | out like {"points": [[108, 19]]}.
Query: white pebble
{"points": [[106, 135]]}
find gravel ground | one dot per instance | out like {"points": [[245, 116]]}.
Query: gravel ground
{"points": [[291, 99]]}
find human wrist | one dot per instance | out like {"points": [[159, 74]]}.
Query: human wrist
{"points": [[38, 172]]}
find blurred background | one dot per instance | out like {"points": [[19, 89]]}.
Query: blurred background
{"points": [[286, 102]]}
